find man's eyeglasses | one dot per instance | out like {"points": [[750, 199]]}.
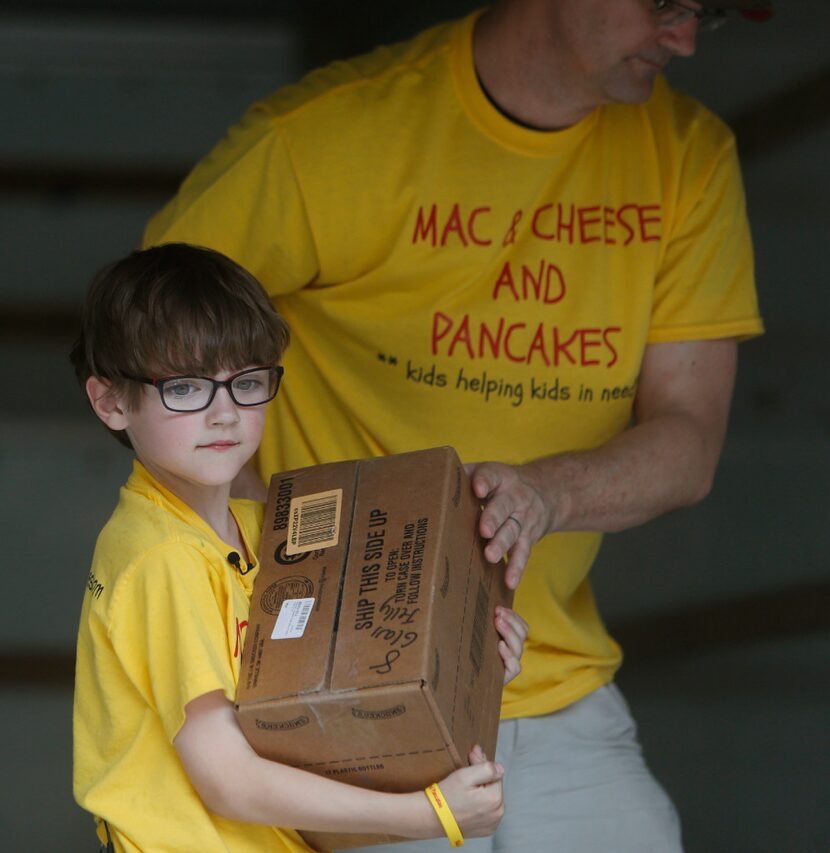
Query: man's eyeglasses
{"points": [[251, 387], [670, 13]]}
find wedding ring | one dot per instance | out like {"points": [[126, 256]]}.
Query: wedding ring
{"points": [[513, 518]]}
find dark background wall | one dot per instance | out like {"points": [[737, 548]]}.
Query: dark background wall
{"points": [[723, 610]]}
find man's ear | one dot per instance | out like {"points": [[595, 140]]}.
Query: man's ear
{"points": [[106, 403]]}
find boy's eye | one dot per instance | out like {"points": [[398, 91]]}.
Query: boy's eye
{"points": [[247, 384], [182, 388]]}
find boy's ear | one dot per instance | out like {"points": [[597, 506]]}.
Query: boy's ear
{"points": [[106, 403]]}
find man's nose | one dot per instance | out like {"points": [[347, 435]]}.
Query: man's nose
{"points": [[680, 40]]}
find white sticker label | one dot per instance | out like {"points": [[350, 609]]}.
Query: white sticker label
{"points": [[293, 618]]}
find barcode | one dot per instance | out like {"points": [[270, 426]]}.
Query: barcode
{"points": [[314, 521], [305, 609], [479, 627], [292, 619], [318, 521]]}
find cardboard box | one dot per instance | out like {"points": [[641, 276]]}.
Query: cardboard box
{"points": [[371, 654]]}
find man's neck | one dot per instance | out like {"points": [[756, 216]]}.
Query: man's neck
{"points": [[521, 76]]}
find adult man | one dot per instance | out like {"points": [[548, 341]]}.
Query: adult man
{"points": [[510, 236]]}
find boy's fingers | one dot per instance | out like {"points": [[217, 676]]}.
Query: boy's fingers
{"points": [[512, 628], [512, 639], [509, 658], [484, 773], [512, 666], [477, 755], [513, 618]]}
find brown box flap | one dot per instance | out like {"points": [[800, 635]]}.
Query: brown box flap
{"points": [[386, 635], [294, 587]]}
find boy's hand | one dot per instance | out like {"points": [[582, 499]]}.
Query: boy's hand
{"points": [[475, 795], [513, 630]]}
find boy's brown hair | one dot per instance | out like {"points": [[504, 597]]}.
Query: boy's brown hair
{"points": [[174, 310]]}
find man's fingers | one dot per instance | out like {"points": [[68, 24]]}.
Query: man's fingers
{"points": [[513, 518], [516, 563], [495, 515], [501, 527], [488, 477], [515, 521]]}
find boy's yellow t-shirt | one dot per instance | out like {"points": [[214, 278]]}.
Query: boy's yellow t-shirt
{"points": [[163, 622], [450, 277]]}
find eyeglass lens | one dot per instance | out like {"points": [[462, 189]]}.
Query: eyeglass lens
{"points": [[673, 14], [191, 393]]}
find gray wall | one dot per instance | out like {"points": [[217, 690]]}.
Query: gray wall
{"points": [[721, 608]]}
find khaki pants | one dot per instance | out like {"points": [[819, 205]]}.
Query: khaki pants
{"points": [[575, 782]]}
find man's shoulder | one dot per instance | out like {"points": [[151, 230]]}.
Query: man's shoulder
{"points": [[359, 76], [682, 114]]}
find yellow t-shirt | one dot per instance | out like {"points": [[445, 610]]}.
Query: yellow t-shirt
{"points": [[163, 622], [450, 277]]}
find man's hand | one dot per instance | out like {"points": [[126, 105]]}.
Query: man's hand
{"points": [[667, 460], [515, 516]]}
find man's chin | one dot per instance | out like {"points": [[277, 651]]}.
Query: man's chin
{"points": [[632, 91]]}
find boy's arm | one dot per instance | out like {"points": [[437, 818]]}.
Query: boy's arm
{"points": [[236, 783]]}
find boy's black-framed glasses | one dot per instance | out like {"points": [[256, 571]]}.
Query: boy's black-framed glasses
{"points": [[251, 387], [670, 13]]}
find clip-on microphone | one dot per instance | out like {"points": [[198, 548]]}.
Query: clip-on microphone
{"points": [[236, 561]]}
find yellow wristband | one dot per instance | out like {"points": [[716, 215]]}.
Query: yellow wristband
{"points": [[445, 815]]}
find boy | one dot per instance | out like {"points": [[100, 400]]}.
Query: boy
{"points": [[178, 354]]}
